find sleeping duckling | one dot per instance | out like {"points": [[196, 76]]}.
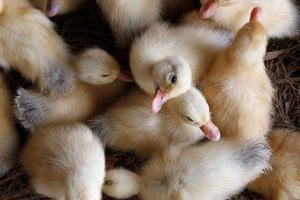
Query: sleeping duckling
{"points": [[280, 18], [29, 44], [237, 87], [54, 7], [283, 182], [128, 125], [209, 171], [95, 88], [8, 134], [166, 60], [65, 162]]}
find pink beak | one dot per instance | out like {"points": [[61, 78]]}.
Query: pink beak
{"points": [[125, 76], [208, 9], [160, 97], [211, 131], [52, 7], [256, 14]]}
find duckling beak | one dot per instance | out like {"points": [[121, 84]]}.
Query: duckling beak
{"points": [[208, 9], [125, 76], [160, 97], [256, 14], [211, 131], [52, 7]]}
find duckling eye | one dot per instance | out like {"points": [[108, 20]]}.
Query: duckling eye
{"points": [[105, 75], [188, 118], [173, 78]]}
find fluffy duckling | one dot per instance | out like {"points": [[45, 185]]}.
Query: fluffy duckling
{"points": [[237, 87], [281, 17], [54, 7], [29, 44], [95, 88], [166, 60], [283, 182], [128, 125], [209, 171], [65, 162], [8, 134], [128, 18]]}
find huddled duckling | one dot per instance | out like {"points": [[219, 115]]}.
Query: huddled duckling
{"points": [[129, 18], [96, 87], [283, 181], [208, 171], [8, 133], [166, 60], [29, 44], [129, 125], [237, 87], [280, 17], [57, 7], [65, 162]]}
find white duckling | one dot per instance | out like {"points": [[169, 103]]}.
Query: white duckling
{"points": [[129, 125], [166, 60], [237, 87], [209, 171], [65, 162], [96, 87], [29, 44], [8, 134], [283, 181], [280, 18], [57, 7]]}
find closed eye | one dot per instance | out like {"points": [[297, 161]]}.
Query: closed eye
{"points": [[105, 75], [188, 118]]}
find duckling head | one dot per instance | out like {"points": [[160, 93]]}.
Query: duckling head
{"points": [[172, 77], [97, 67], [192, 108]]}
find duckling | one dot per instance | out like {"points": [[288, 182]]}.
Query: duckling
{"points": [[8, 134], [209, 171], [54, 7], [165, 61], [65, 162], [128, 18], [128, 125], [96, 87], [281, 17], [283, 182], [29, 44], [237, 87]]}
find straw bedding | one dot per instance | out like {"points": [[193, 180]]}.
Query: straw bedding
{"points": [[87, 28]]}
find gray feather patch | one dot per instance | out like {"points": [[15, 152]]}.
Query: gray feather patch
{"points": [[29, 109], [255, 153]]}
